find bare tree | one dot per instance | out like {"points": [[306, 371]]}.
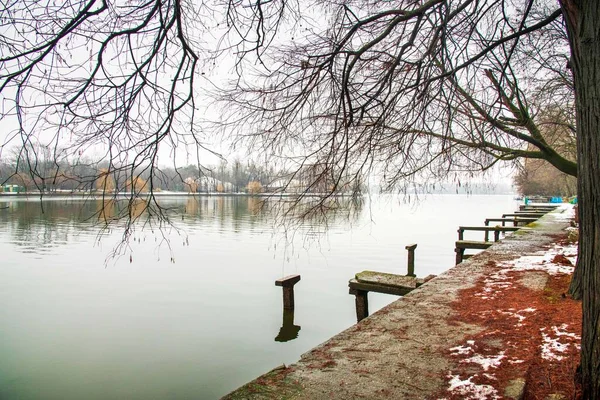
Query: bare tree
{"points": [[107, 77], [410, 90], [537, 176], [424, 89], [420, 92]]}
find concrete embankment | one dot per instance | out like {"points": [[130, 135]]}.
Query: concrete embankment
{"points": [[475, 331]]}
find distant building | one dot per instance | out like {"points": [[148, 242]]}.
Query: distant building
{"points": [[284, 185], [207, 184], [12, 189]]}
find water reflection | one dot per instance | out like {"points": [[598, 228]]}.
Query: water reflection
{"points": [[56, 221], [77, 326], [36, 227], [106, 210], [288, 330], [255, 205]]}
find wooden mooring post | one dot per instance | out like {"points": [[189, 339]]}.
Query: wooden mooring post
{"points": [[380, 282], [288, 283], [361, 301], [462, 245], [411, 259]]}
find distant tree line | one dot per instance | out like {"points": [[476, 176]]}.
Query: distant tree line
{"points": [[47, 173], [50, 175]]}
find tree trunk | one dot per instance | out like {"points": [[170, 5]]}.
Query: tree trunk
{"points": [[575, 290], [583, 25]]}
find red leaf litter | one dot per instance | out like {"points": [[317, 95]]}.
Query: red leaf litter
{"points": [[527, 331]]}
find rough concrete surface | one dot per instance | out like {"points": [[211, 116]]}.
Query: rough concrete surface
{"points": [[400, 352]]}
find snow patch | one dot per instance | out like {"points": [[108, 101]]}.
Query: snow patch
{"points": [[542, 261], [486, 362], [518, 314], [459, 350], [494, 284], [551, 346], [471, 390], [567, 212], [490, 377]]}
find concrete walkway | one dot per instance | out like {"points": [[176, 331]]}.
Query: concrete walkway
{"points": [[402, 351]]}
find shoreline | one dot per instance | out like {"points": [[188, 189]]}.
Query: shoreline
{"points": [[483, 329], [124, 195], [164, 194]]}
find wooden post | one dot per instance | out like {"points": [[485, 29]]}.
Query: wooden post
{"points": [[361, 300], [411, 259], [288, 283], [459, 255], [486, 236], [461, 234], [496, 235]]}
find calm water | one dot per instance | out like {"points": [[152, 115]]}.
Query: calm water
{"points": [[198, 316]]}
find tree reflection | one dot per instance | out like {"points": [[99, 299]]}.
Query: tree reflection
{"points": [[55, 221], [106, 210], [35, 228]]}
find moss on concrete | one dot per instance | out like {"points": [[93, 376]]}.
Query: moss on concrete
{"points": [[274, 384]]}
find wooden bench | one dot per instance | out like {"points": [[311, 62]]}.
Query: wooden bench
{"points": [[525, 207], [523, 214], [487, 230], [380, 282], [515, 220], [462, 245], [533, 211]]}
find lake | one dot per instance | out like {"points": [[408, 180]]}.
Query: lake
{"points": [[192, 311]]}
